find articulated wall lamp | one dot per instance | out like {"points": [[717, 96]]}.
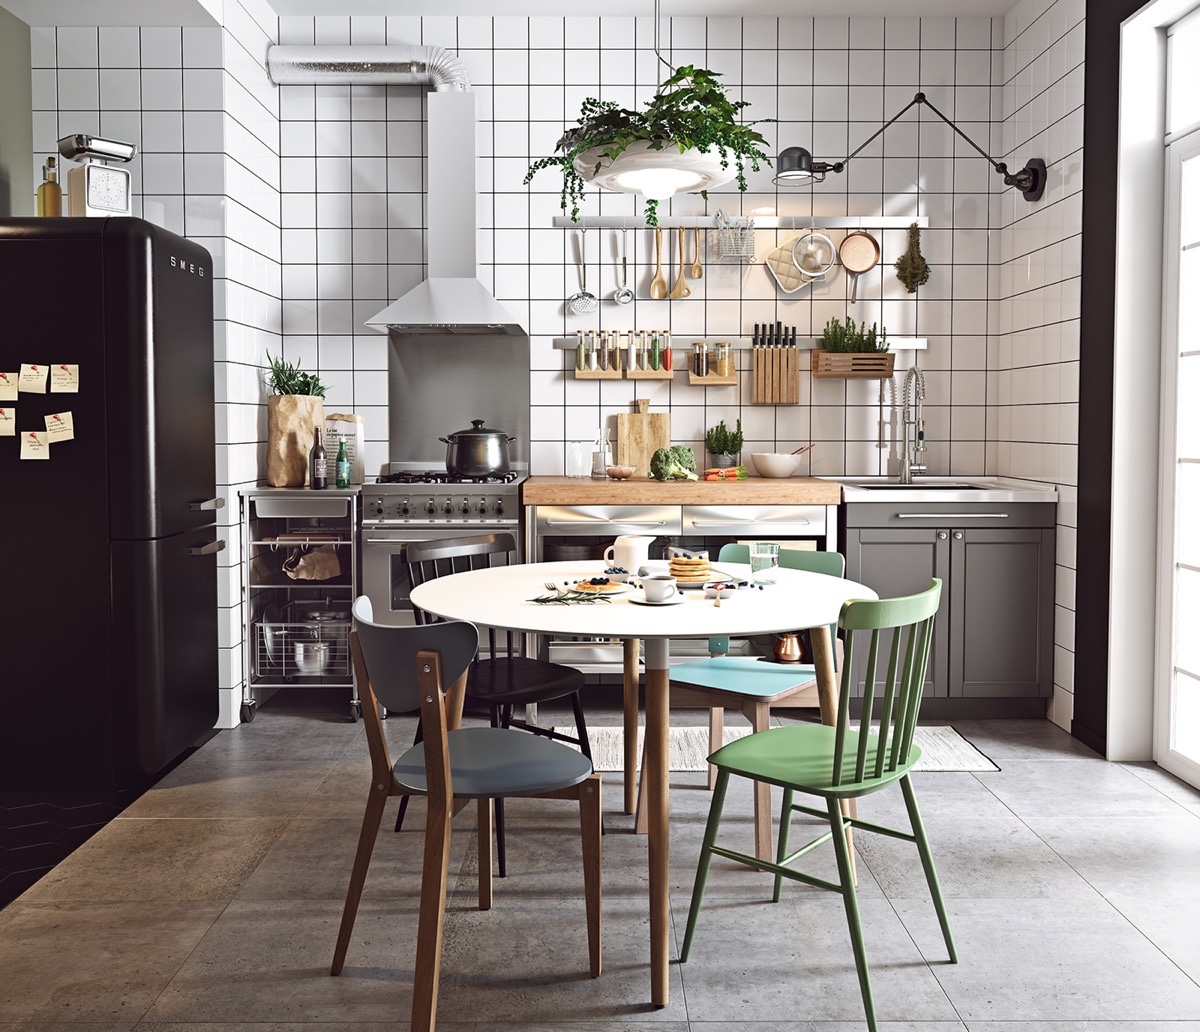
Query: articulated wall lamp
{"points": [[796, 167]]}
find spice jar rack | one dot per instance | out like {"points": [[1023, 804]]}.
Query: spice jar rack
{"points": [[712, 365], [611, 355]]}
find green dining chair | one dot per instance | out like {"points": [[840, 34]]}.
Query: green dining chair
{"points": [[842, 762]]}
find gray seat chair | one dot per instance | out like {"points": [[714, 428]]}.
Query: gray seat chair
{"points": [[506, 678], [406, 669]]}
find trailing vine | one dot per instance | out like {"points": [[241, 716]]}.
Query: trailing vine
{"points": [[690, 110]]}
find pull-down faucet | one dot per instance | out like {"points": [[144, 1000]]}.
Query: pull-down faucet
{"points": [[913, 415]]}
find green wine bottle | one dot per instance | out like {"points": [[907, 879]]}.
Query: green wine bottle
{"points": [[342, 477]]}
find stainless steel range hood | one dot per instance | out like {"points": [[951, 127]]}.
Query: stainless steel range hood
{"points": [[451, 300]]}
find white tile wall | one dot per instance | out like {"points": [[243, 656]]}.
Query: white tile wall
{"points": [[311, 201]]}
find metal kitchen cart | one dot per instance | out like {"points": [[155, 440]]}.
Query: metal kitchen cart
{"points": [[299, 579]]}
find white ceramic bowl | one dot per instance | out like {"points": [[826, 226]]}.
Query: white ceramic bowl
{"points": [[710, 590], [775, 464]]}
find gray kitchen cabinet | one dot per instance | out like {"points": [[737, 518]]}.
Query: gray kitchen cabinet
{"points": [[993, 645]]}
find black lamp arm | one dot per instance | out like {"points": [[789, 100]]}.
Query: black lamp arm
{"points": [[1030, 180]]}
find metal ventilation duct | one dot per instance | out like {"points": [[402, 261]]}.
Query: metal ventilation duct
{"points": [[451, 300]]}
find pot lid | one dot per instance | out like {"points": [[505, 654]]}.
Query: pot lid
{"points": [[477, 429]]}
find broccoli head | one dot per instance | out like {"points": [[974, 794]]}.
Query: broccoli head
{"points": [[676, 463]]}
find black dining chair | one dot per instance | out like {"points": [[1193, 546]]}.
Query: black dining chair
{"points": [[504, 678]]}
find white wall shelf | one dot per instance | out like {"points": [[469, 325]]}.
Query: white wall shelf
{"points": [[760, 222]]}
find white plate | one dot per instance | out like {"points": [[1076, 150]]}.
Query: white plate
{"points": [[639, 599], [713, 576], [623, 587]]}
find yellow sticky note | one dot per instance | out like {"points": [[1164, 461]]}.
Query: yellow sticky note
{"points": [[64, 379], [60, 427], [35, 444], [32, 378], [8, 422], [8, 386]]}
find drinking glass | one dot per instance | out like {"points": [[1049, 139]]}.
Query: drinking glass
{"points": [[764, 561]]}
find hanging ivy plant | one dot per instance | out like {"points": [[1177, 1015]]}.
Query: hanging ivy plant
{"points": [[691, 110]]}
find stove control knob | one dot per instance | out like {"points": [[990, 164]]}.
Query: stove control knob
{"points": [[499, 509], [430, 509], [378, 506], [404, 509], [466, 509], [482, 508], [448, 509]]}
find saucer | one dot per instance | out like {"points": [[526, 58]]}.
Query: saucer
{"points": [[639, 599]]}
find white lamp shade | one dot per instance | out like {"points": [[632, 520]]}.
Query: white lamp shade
{"points": [[657, 174]]}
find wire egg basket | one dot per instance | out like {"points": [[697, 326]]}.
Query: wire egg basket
{"points": [[735, 238]]}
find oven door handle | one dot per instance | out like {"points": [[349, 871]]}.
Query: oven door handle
{"points": [[801, 522], [607, 523]]}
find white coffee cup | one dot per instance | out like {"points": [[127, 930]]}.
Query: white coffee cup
{"points": [[659, 588]]}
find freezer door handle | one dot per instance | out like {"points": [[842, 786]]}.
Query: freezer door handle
{"points": [[210, 549], [207, 504]]}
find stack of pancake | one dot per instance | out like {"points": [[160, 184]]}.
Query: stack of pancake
{"points": [[687, 570]]}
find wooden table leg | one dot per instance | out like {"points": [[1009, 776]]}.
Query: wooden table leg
{"points": [[827, 699], [630, 650], [655, 774]]}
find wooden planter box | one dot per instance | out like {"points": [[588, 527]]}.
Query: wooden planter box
{"points": [[874, 365]]}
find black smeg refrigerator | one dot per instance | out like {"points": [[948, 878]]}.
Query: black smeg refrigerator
{"points": [[108, 536]]}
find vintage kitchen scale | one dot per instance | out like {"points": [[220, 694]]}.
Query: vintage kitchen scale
{"points": [[96, 188]]}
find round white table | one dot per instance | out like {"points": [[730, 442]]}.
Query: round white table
{"points": [[501, 597]]}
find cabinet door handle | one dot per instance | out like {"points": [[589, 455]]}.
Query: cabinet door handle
{"points": [[209, 549], [799, 522], [951, 515], [206, 505], [626, 523], [941, 535]]}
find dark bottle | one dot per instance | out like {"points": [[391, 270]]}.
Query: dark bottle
{"points": [[318, 464], [342, 476]]}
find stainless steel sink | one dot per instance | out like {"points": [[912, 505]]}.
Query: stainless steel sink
{"points": [[916, 486]]}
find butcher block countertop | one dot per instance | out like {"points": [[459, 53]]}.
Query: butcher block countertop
{"points": [[644, 491]]}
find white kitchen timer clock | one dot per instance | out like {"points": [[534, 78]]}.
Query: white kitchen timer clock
{"points": [[95, 188]]}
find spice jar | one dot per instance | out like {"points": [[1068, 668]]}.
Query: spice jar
{"points": [[723, 354], [580, 351], [592, 360], [700, 358], [665, 338]]}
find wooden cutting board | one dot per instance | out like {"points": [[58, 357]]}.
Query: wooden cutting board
{"points": [[640, 434]]}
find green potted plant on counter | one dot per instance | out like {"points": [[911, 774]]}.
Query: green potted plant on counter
{"points": [[690, 130], [851, 351], [295, 406], [724, 444]]}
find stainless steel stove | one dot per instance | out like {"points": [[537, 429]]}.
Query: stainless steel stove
{"points": [[427, 505]]}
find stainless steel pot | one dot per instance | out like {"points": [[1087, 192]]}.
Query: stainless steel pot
{"points": [[312, 656], [477, 452]]}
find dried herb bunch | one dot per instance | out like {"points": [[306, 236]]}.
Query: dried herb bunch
{"points": [[911, 268]]}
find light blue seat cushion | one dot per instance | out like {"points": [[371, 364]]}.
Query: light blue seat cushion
{"points": [[747, 676]]}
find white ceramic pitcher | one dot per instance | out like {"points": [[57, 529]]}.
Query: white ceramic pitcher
{"points": [[630, 551]]}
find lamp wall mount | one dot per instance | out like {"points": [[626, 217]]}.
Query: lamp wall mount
{"points": [[796, 165]]}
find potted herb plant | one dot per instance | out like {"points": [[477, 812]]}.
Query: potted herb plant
{"points": [[724, 444], [295, 406], [690, 113], [853, 352]]}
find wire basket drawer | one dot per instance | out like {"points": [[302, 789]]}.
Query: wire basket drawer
{"points": [[288, 651]]}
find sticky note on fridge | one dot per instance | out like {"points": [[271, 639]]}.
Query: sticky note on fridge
{"points": [[64, 379], [60, 427], [8, 422], [8, 386], [35, 444], [32, 379]]}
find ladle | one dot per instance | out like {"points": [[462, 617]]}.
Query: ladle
{"points": [[624, 295], [581, 303]]}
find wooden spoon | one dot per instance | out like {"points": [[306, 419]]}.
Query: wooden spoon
{"points": [[697, 268], [681, 289], [658, 285]]}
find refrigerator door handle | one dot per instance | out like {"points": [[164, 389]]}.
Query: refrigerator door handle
{"points": [[208, 503], [210, 549]]}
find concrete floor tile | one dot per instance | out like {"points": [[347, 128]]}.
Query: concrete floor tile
{"points": [[1083, 1026], [1172, 924], [1168, 784], [93, 962], [152, 859], [211, 788], [829, 1026], [1039, 789], [1004, 740], [983, 859], [1155, 857], [786, 963], [1050, 960]]}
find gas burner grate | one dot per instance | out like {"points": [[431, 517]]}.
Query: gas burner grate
{"points": [[440, 476]]}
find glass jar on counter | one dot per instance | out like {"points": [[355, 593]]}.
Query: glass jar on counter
{"points": [[601, 455], [700, 358]]}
